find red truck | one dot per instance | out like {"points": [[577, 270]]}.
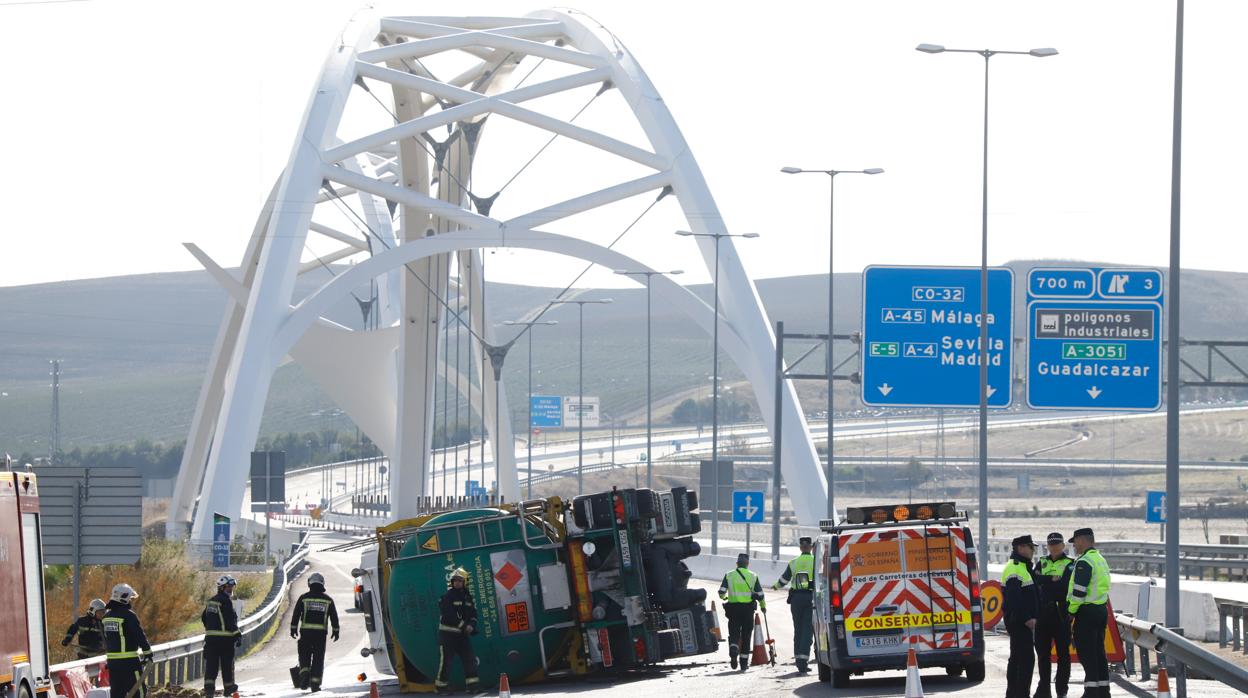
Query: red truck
{"points": [[24, 669]]}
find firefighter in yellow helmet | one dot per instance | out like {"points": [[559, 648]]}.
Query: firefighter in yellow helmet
{"points": [[456, 626]]}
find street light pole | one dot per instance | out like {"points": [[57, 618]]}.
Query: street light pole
{"points": [[983, 281], [528, 328], [580, 390], [649, 401], [830, 473], [715, 383]]}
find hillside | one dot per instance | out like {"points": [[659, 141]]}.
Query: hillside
{"points": [[135, 348]]}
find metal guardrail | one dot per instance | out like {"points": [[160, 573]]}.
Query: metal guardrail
{"points": [[181, 661], [1196, 661], [1143, 557]]}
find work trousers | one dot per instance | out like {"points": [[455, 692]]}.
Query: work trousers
{"points": [[801, 604], [1022, 662], [123, 674], [1089, 639], [1052, 628], [219, 655], [452, 645], [311, 658], [740, 630]]}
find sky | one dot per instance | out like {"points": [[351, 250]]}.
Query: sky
{"points": [[131, 127]]}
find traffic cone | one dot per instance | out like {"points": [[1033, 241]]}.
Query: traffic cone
{"points": [[759, 657], [1163, 683], [715, 631], [914, 685], [504, 686], [372, 690]]}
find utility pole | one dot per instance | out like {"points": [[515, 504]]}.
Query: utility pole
{"points": [[54, 444]]}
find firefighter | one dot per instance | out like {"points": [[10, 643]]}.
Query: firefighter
{"points": [[89, 631], [1052, 576], [126, 646], [221, 636], [1086, 595], [1021, 606], [456, 625], [741, 593], [313, 617], [800, 575]]}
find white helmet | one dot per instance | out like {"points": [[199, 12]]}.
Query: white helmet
{"points": [[225, 580], [316, 578], [96, 605], [124, 593]]}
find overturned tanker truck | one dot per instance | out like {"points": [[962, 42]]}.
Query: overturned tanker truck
{"points": [[560, 590]]}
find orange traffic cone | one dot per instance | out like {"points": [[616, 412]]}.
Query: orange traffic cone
{"points": [[1163, 683], [504, 686], [715, 631], [914, 685], [759, 657]]}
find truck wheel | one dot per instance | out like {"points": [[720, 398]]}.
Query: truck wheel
{"points": [[825, 672], [975, 672], [840, 678]]}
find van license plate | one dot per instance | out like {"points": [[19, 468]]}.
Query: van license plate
{"points": [[878, 641]]}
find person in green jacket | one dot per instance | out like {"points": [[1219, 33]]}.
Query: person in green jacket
{"points": [[1085, 600], [799, 576], [741, 593], [1018, 591]]}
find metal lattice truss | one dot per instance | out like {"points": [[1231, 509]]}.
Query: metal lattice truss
{"points": [[413, 217]]}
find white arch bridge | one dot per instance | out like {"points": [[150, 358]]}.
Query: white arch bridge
{"points": [[418, 232]]}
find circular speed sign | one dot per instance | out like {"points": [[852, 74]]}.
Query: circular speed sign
{"points": [[991, 601]]}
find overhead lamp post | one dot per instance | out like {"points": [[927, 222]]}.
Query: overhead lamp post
{"points": [[830, 472], [528, 327], [715, 381], [580, 384], [649, 424], [983, 280]]}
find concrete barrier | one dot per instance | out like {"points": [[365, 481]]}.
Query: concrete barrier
{"points": [[1198, 612]]}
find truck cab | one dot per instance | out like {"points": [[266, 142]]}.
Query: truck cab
{"points": [[893, 578], [24, 669]]}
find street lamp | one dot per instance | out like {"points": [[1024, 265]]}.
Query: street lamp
{"points": [[983, 280], [580, 385], [648, 274], [715, 382], [528, 327], [830, 471]]}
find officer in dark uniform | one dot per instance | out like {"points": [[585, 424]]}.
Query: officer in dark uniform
{"points": [[1052, 576], [1085, 600], [221, 636], [456, 626], [741, 593], [1021, 604], [800, 576], [125, 644], [310, 623], [89, 631]]}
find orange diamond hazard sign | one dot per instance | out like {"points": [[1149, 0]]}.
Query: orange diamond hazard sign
{"points": [[509, 575]]}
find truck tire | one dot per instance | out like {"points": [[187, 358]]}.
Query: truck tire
{"points": [[23, 691], [975, 672], [840, 678], [825, 672]]}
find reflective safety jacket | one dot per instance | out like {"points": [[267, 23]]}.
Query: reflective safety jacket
{"points": [[90, 633], [315, 612], [1018, 591], [123, 634], [219, 617], [457, 611], [1053, 580], [801, 572], [741, 586], [1089, 584]]}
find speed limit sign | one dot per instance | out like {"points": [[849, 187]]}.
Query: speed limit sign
{"points": [[991, 600]]}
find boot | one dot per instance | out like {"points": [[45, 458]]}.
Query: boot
{"points": [[732, 655], [745, 662]]}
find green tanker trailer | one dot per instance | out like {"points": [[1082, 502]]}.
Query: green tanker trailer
{"points": [[560, 590]]}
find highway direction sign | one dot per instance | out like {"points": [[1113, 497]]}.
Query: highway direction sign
{"points": [[1094, 338], [747, 506], [1155, 508], [547, 410], [920, 336]]}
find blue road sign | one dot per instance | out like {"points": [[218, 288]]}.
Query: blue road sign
{"points": [[747, 506], [220, 540], [1094, 338], [547, 411], [1155, 509], [920, 336]]}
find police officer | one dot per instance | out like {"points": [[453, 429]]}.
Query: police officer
{"points": [[800, 575], [221, 636], [125, 645], [457, 624], [1085, 598], [741, 593], [310, 623], [1052, 576], [1020, 603], [89, 631]]}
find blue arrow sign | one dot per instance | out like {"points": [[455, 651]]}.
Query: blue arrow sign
{"points": [[547, 410], [920, 336], [1155, 508], [1094, 338], [747, 506]]}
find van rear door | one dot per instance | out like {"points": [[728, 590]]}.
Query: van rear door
{"points": [[873, 592]]}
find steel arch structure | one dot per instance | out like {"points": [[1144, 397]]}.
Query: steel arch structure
{"points": [[413, 202]]}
